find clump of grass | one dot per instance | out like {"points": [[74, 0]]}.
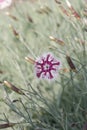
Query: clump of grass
{"points": [[56, 27]]}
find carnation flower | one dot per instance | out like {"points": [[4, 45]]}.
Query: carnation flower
{"points": [[47, 66], [5, 3]]}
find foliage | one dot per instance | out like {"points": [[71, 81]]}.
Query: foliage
{"points": [[29, 30]]}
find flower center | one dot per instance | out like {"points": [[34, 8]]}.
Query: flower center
{"points": [[46, 67]]}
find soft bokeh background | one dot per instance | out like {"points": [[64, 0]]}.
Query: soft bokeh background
{"points": [[25, 28]]}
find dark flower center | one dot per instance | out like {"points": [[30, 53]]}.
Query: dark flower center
{"points": [[46, 67]]}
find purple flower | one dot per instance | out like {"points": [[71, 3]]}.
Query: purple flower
{"points": [[85, 126], [47, 66], [5, 3]]}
